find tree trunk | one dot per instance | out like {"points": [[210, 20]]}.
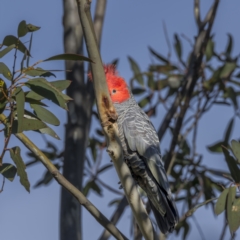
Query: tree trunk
{"points": [[79, 117]]}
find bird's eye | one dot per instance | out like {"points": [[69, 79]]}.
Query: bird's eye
{"points": [[114, 91]]}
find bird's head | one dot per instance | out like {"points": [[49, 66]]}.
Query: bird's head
{"points": [[117, 86]]}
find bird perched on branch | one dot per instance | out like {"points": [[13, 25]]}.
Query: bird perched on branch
{"points": [[141, 151]]}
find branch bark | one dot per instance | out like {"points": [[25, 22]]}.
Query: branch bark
{"points": [[108, 119], [191, 79], [66, 184]]}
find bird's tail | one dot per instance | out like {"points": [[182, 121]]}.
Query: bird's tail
{"points": [[167, 222]]}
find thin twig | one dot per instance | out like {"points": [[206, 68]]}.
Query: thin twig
{"points": [[198, 228], [167, 40], [3, 183]]}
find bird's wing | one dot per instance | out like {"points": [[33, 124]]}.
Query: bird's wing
{"points": [[141, 137]]}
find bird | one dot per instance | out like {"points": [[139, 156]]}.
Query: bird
{"points": [[141, 151]]}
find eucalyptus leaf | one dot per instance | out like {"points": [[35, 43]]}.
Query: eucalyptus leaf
{"points": [[230, 215], [221, 202], [45, 115], [10, 40], [4, 70], [6, 50], [232, 165], [22, 29], [68, 57], [43, 88], [15, 154], [20, 100], [136, 70], [236, 149], [8, 171]]}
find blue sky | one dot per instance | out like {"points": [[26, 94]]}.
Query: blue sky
{"points": [[130, 27]]}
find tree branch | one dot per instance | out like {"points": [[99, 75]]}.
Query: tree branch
{"points": [[66, 184], [115, 217], [191, 79], [108, 119]]}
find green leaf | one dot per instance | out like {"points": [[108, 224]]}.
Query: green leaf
{"points": [[92, 185], [229, 131], [20, 100], [45, 115], [45, 180], [34, 96], [236, 149], [221, 202], [161, 84], [209, 50], [151, 83], [229, 45], [4, 70], [8, 171], [232, 165], [15, 154], [32, 28], [104, 168], [216, 147], [49, 131], [230, 200], [28, 124], [22, 29], [232, 95], [6, 50], [136, 70], [235, 216], [33, 101], [144, 102], [68, 57], [10, 40], [165, 69], [178, 46], [61, 84], [46, 90], [34, 72], [227, 69], [137, 91], [158, 56]]}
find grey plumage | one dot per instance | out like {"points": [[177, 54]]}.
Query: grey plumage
{"points": [[142, 154]]}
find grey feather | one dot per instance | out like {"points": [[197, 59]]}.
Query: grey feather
{"points": [[142, 153]]}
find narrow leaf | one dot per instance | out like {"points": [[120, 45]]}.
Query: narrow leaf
{"points": [[230, 200], [10, 40], [229, 131], [236, 149], [4, 70], [232, 165], [46, 90], [178, 46], [20, 100], [45, 115], [61, 84], [22, 29], [235, 216], [136, 70], [49, 131], [209, 50], [32, 28], [137, 91], [159, 56], [68, 57], [6, 50], [8, 171], [34, 72], [28, 124], [229, 45], [227, 69], [17, 159], [104, 168], [216, 147], [221, 202]]}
